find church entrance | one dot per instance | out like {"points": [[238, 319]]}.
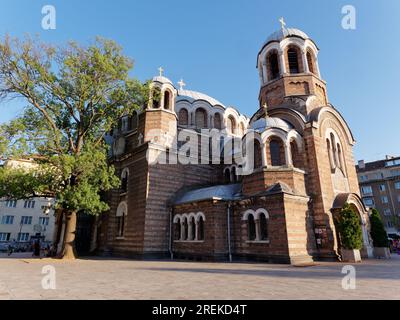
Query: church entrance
{"points": [[358, 206]]}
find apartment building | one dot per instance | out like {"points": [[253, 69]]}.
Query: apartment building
{"points": [[23, 221], [380, 189]]}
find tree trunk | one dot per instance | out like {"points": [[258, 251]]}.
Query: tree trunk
{"points": [[69, 251]]}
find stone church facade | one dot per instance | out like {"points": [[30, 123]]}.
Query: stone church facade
{"points": [[282, 211]]}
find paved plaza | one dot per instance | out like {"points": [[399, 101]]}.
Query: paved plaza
{"points": [[95, 278]]}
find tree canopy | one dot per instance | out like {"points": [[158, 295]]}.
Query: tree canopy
{"points": [[74, 95]]}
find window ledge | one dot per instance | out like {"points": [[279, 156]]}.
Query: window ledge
{"points": [[258, 241], [120, 238], [189, 241]]}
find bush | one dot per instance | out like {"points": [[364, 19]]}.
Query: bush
{"points": [[378, 232], [350, 228]]}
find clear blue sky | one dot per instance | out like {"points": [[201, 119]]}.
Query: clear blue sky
{"points": [[213, 46]]}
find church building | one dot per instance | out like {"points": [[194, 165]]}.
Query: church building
{"points": [[282, 211]]}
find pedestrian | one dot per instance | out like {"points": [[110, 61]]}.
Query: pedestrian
{"points": [[10, 249], [36, 248]]}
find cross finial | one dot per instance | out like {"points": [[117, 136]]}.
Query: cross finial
{"points": [[283, 23], [181, 84], [161, 71]]}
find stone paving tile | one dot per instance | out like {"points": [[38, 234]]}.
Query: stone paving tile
{"points": [[95, 278]]}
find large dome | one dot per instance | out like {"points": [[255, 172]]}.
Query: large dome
{"points": [[264, 123], [284, 33]]}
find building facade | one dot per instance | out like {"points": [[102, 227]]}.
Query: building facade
{"points": [[22, 221], [380, 189], [277, 205]]}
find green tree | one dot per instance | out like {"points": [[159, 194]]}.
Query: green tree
{"points": [[378, 232], [74, 95], [349, 228]]}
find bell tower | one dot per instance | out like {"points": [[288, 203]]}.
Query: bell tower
{"points": [[288, 67]]}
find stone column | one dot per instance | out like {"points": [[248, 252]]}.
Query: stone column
{"points": [[282, 63], [305, 62], [264, 161], [258, 233], [265, 74]]}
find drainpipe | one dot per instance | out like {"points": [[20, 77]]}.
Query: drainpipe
{"points": [[170, 233], [229, 231]]}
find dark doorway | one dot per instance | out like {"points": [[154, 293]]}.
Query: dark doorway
{"points": [[84, 229]]}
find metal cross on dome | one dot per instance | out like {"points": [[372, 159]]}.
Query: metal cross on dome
{"points": [[161, 71], [283, 23], [181, 84]]}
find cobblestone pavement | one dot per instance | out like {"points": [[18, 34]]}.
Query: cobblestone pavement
{"points": [[95, 278]]}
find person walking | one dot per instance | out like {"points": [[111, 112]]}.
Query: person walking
{"points": [[36, 248], [10, 249]]}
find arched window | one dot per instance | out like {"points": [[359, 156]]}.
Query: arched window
{"points": [[293, 61], [273, 66], [192, 229], [310, 62], [185, 227], [156, 98], [277, 152], [334, 151], [231, 125], [227, 175], [122, 212], [257, 154], [200, 229], [263, 227], [183, 117], [167, 99], [177, 230], [201, 118], [251, 228], [217, 121], [124, 180], [330, 154]]}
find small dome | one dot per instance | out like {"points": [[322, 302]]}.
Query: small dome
{"points": [[285, 33], [162, 79], [264, 123], [194, 95]]}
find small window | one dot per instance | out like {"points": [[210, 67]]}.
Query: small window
{"points": [[397, 185], [167, 99], [200, 226], [29, 204], [11, 203], [201, 118], [4, 236], [183, 117], [384, 200], [217, 121], [276, 149], [44, 221], [273, 66], [366, 190], [382, 188], [7, 220], [263, 227], [25, 220], [251, 228], [23, 237], [177, 230], [293, 61], [387, 212]]}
